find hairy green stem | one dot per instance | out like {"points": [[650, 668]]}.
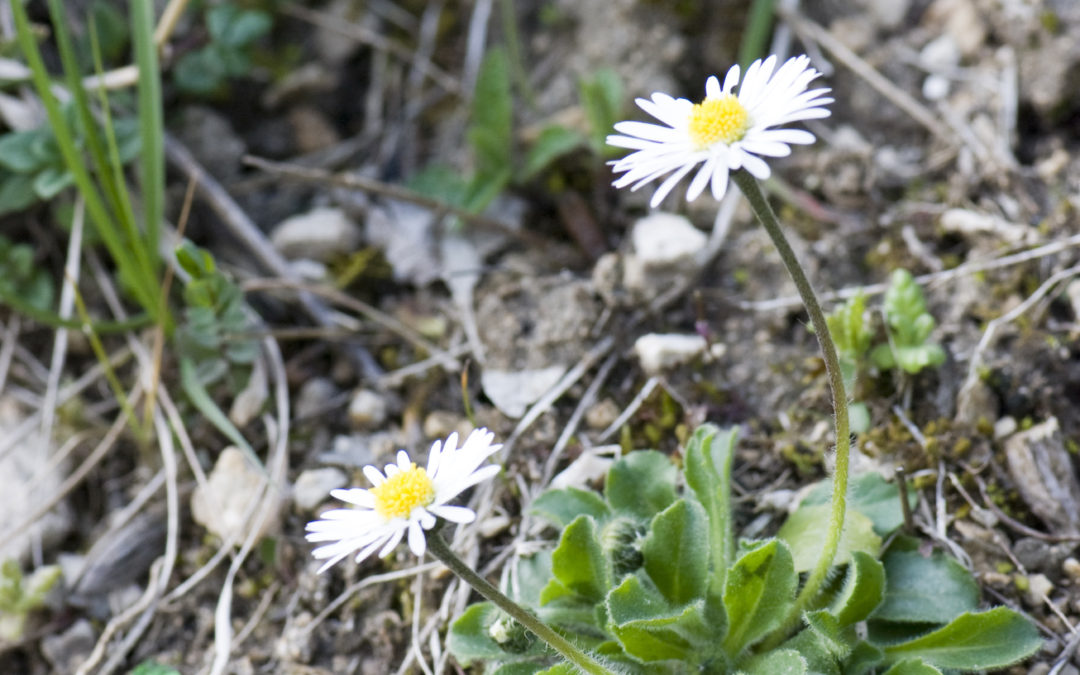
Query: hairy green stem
{"points": [[441, 550], [750, 188]]}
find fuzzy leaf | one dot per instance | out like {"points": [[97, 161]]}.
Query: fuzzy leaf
{"points": [[650, 630], [912, 667], [561, 507], [490, 134], [707, 465], [806, 530], [871, 495], [578, 565], [864, 589], [641, 483], [676, 554], [996, 638], [925, 590], [758, 593], [17, 151], [778, 662], [602, 99]]}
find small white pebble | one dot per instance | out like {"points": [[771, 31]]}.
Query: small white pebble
{"points": [[1071, 568]]}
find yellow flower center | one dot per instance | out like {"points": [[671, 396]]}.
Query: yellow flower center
{"points": [[403, 492], [721, 119]]}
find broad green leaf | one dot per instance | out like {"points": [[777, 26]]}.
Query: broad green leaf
{"points": [[16, 192], [51, 181], [921, 589], [863, 659], [552, 143], [805, 532], [815, 649], [533, 573], [650, 630], [864, 589], [676, 554], [777, 662], [17, 151], [996, 638], [602, 99], [836, 639], [560, 669], [871, 495], [490, 133], [758, 594], [561, 507], [440, 182], [469, 637], [641, 483], [484, 187], [912, 667], [199, 72], [522, 668], [707, 466], [236, 27], [578, 564]]}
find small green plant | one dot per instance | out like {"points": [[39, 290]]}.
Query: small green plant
{"points": [[23, 284], [908, 326], [232, 31], [19, 596], [652, 580], [849, 330]]}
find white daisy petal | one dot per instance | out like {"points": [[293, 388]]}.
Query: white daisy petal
{"points": [[404, 501], [734, 128]]}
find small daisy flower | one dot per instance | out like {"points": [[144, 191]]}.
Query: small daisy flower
{"points": [[723, 133], [406, 499]]}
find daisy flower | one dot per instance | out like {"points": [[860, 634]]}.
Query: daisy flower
{"points": [[723, 133], [406, 499]]}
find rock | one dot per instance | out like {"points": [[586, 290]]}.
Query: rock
{"points": [[493, 526], [886, 13], [660, 352], [312, 487], [590, 467], [224, 506], [1039, 556], [314, 397], [311, 129], [68, 650], [212, 140], [602, 414], [27, 482], [367, 410], [406, 234], [666, 240], [1043, 472], [442, 423], [359, 450], [1006, 426], [513, 391], [976, 402], [960, 21], [319, 235], [1039, 587], [1071, 568]]}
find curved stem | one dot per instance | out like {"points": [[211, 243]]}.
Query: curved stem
{"points": [[750, 188], [441, 550]]}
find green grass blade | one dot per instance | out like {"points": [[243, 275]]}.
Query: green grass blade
{"points": [[201, 399], [151, 124], [758, 28]]}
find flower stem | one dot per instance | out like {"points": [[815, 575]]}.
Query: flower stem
{"points": [[441, 550], [750, 188]]}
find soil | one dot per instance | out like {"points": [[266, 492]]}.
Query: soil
{"points": [[952, 146]]}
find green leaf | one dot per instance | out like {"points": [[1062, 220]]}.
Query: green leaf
{"points": [[912, 667], [676, 554], [864, 589], [469, 637], [863, 659], [777, 662], [200, 398], [808, 527], [816, 651], [578, 565], [871, 495], [490, 134], [602, 99], [561, 507], [154, 668], [199, 72], [235, 27], [552, 143], [707, 466], [17, 152], [641, 483], [16, 192], [650, 630], [51, 181], [441, 182], [921, 589], [996, 638], [758, 594], [837, 640], [484, 188]]}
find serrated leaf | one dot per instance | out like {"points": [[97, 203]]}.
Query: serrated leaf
{"points": [[651, 630], [777, 662], [561, 507], [921, 589], [807, 528], [758, 594], [676, 555], [552, 143], [863, 591], [871, 495], [641, 483], [578, 565], [996, 638], [912, 667]]}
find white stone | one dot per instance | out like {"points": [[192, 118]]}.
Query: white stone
{"points": [[659, 352], [367, 410], [319, 235], [225, 505], [591, 466], [935, 87], [666, 240], [1072, 292], [1071, 568], [886, 13], [1039, 587], [313, 487], [513, 391], [1005, 426], [940, 54]]}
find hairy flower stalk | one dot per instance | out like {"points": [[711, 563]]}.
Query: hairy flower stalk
{"points": [[407, 500], [723, 138]]}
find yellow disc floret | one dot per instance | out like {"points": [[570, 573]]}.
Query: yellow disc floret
{"points": [[722, 119], [403, 492]]}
